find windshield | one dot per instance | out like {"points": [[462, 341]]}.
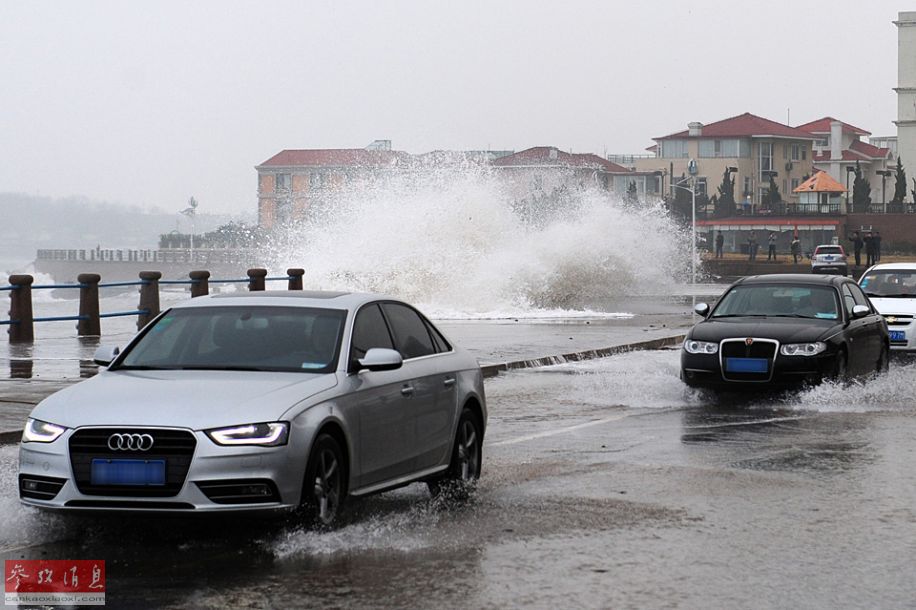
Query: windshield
{"points": [[779, 300], [890, 283], [241, 338]]}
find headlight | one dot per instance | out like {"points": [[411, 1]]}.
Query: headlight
{"points": [[266, 435], [803, 349], [37, 431], [700, 347]]}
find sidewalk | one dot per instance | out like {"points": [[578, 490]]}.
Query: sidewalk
{"points": [[499, 345]]}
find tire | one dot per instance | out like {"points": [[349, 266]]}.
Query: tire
{"points": [[324, 487], [883, 361], [466, 461]]}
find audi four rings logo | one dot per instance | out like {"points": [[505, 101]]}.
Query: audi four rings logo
{"points": [[130, 442]]}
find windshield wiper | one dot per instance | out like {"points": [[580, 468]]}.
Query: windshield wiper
{"points": [[790, 315], [219, 367], [143, 367], [741, 315]]}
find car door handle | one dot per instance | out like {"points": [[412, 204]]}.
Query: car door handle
{"points": [[407, 390], [449, 382]]}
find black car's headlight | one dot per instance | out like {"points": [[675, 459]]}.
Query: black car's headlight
{"points": [[37, 431], [700, 347], [803, 349], [266, 435]]}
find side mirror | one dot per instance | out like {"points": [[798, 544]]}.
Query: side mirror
{"points": [[381, 359], [860, 311], [105, 354], [702, 309]]}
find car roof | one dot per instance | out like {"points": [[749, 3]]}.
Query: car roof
{"points": [[287, 298], [893, 267], [810, 279]]}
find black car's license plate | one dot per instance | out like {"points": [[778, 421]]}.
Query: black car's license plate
{"points": [[898, 335], [127, 472], [746, 365]]}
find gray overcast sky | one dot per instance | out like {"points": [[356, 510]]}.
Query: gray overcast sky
{"points": [[148, 103]]}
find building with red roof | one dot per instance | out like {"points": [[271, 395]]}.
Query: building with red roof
{"points": [[839, 148], [755, 147]]}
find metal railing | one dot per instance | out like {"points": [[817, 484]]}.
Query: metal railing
{"points": [[21, 319]]}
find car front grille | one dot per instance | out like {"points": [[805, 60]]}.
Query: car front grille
{"points": [[175, 447], [898, 319], [738, 348]]}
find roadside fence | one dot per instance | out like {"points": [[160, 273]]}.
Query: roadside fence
{"points": [[21, 320]]}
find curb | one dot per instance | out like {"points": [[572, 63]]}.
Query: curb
{"points": [[492, 370], [9, 437]]}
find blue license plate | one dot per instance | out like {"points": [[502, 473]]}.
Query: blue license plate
{"points": [[747, 365], [127, 472], [898, 335]]}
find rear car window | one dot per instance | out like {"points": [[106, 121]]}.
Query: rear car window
{"points": [[829, 250]]}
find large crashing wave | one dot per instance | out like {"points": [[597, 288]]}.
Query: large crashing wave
{"points": [[456, 239]]}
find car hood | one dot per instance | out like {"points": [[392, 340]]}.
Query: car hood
{"points": [[894, 306], [784, 330], [192, 399]]}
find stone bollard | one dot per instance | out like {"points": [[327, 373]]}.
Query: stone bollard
{"points": [[200, 283], [295, 278], [149, 297], [90, 323], [21, 320], [256, 279]]}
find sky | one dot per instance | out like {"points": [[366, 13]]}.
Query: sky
{"points": [[150, 103]]}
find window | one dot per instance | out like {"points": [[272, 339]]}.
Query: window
{"points": [[717, 149], [284, 181], [369, 330], [410, 333], [795, 183], [673, 149], [858, 295], [701, 186], [747, 185], [804, 151], [766, 156], [848, 299], [796, 152], [822, 143]]}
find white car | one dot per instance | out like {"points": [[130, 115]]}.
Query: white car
{"points": [[829, 258], [891, 287]]}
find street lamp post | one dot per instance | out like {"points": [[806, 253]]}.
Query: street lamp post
{"points": [[884, 173], [849, 170], [692, 170]]}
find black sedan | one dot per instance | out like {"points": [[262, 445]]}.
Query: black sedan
{"points": [[785, 330]]}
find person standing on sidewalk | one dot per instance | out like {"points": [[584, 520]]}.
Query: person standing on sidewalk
{"points": [[771, 246], [857, 242], [869, 249], [796, 250], [720, 241], [752, 246]]}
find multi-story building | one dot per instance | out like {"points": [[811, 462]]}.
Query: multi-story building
{"points": [[839, 148], [756, 148], [293, 180]]}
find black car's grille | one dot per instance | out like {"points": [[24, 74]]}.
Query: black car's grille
{"points": [[738, 348], [175, 447]]}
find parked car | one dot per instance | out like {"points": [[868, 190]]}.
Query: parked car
{"points": [[829, 258], [785, 330], [891, 288], [261, 401]]}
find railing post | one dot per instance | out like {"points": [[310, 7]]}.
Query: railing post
{"points": [[149, 297], [89, 323], [295, 278], [256, 279], [200, 283], [21, 323]]}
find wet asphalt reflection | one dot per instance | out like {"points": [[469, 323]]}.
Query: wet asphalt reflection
{"points": [[606, 484]]}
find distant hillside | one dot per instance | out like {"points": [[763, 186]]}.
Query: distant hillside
{"points": [[29, 223]]}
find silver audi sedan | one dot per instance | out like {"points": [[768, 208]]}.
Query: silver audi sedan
{"points": [[263, 400]]}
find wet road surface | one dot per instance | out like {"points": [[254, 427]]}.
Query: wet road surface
{"points": [[606, 484]]}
